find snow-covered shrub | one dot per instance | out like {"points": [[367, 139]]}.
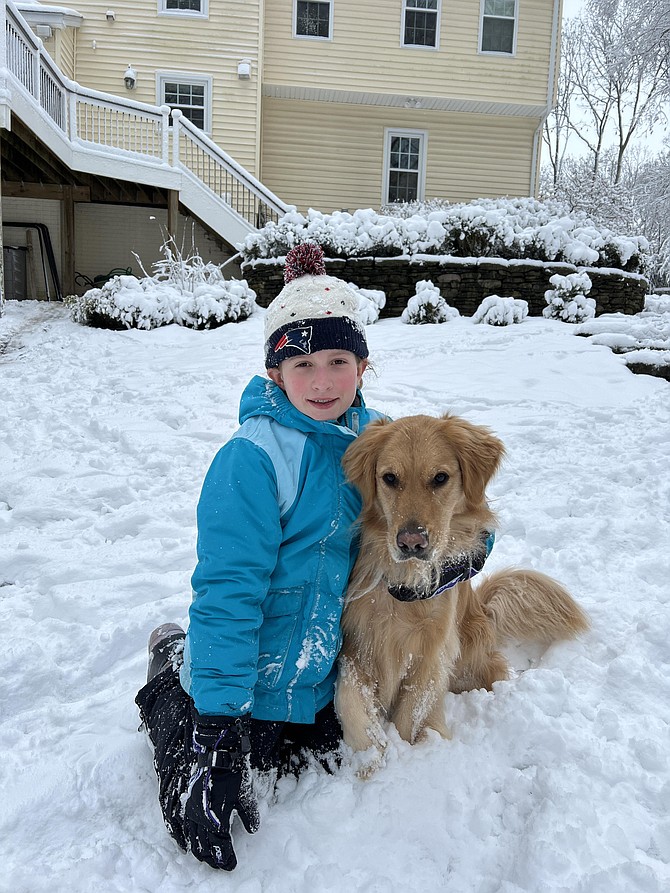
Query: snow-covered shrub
{"points": [[497, 311], [567, 300], [509, 228], [124, 302], [370, 303], [185, 290], [213, 305], [427, 306]]}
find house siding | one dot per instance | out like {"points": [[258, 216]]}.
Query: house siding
{"points": [[331, 155], [150, 42], [101, 230], [61, 47], [371, 58]]}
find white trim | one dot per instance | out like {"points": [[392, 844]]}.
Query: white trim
{"points": [[202, 13], [58, 17], [418, 46], [552, 75], [389, 133], [187, 77], [403, 100], [481, 32], [331, 13]]}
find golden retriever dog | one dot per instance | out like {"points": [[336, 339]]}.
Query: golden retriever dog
{"points": [[414, 626]]}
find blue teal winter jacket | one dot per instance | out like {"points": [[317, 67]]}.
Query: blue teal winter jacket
{"points": [[275, 549]]}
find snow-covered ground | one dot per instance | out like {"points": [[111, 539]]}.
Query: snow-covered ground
{"points": [[558, 780]]}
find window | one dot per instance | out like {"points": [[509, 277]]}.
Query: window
{"points": [[190, 93], [184, 7], [404, 165], [420, 23], [313, 19], [498, 26]]}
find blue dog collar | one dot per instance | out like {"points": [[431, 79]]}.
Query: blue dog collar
{"points": [[451, 574]]}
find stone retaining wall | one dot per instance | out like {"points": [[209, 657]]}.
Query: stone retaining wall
{"points": [[464, 283]]}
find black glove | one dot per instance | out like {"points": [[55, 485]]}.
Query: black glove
{"points": [[220, 783]]}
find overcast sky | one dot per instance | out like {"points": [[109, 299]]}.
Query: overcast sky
{"points": [[653, 141], [571, 7]]}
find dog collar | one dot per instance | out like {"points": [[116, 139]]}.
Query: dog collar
{"points": [[451, 574]]}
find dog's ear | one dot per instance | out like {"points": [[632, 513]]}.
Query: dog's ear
{"points": [[360, 459], [479, 455]]}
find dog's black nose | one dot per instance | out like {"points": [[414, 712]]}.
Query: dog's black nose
{"points": [[412, 541]]}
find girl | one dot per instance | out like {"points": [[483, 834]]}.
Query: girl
{"points": [[251, 684]]}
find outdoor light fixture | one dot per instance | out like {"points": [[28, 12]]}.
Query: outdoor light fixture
{"points": [[244, 69], [130, 77], [110, 15]]}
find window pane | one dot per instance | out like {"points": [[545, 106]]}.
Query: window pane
{"points": [[503, 8], [313, 19], [196, 116], [420, 28], [194, 5], [404, 170], [189, 98], [498, 36], [403, 187], [421, 4]]}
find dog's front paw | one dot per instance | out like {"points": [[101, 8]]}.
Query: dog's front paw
{"points": [[367, 762]]}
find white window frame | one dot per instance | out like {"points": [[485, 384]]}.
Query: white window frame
{"points": [[389, 133], [187, 77], [202, 13], [481, 31], [420, 46], [331, 12]]}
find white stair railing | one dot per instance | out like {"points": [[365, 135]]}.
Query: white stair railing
{"points": [[102, 120], [195, 152], [111, 124]]}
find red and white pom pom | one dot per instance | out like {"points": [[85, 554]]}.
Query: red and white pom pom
{"points": [[304, 260]]}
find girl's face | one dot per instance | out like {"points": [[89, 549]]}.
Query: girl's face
{"points": [[321, 385]]}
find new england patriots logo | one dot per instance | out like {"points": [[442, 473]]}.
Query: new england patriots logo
{"points": [[299, 339]]}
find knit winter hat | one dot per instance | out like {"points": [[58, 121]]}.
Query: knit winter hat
{"points": [[312, 312]]}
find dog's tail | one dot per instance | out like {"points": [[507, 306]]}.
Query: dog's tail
{"points": [[526, 605]]}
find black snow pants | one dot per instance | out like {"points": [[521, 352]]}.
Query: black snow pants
{"points": [[165, 709]]}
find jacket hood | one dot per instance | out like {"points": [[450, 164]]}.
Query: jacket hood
{"points": [[263, 397]]}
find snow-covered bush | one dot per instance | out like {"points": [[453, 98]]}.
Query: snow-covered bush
{"points": [[427, 306], [370, 303], [124, 302], [508, 228], [184, 290], [567, 300], [213, 305], [497, 311]]}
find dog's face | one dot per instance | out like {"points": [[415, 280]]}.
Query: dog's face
{"points": [[416, 475]]}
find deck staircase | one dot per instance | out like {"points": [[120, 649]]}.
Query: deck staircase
{"points": [[110, 136]]}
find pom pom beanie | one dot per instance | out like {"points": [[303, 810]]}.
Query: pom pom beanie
{"points": [[312, 312]]}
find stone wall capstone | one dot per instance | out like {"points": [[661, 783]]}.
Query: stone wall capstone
{"points": [[463, 283]]}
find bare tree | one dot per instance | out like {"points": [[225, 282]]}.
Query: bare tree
{"points": [[557, 128], [650, 23], [612, 84]]}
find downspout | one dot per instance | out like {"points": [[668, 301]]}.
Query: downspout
{"points": [[259, 88], [551, 93], [5, 121]]}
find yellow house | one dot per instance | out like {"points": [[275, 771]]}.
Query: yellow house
{"points": [[328, 104]]}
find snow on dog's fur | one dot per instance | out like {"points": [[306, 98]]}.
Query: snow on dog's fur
{"points": [[423, 483]]}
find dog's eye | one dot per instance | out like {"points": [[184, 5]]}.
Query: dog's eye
{"points": [[390, 479], [440, 479]]}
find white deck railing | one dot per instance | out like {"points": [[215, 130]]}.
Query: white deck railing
{"points": [[111, 124]]}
